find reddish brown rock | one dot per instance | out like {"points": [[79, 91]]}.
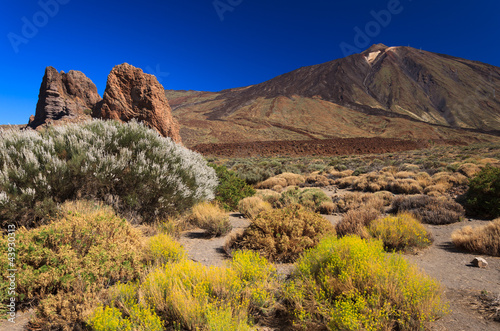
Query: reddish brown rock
{"points": [[64, 96], [132, 94]]}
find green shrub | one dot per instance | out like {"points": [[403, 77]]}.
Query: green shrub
{"points": [[429, 210], [352, 284], [401, 232], [127, 165], [483, 196], [231, 189], [65, 265], [282, 235]]}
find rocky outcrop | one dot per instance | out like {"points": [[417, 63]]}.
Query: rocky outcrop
{"points": [[69, 96], [132, 94]]}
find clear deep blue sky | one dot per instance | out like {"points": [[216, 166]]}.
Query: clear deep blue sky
{"points": [[193, 45]]}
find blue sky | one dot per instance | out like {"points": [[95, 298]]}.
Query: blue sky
{"points": [[213, 45]]}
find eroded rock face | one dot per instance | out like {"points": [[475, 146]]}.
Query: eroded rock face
{"points": [[64, 96], [130, 93]]}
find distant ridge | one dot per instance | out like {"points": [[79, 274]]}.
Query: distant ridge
{"points": [[393, 92]]}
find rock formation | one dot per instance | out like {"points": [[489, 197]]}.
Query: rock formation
{"points": [[64, 96], [132, 94]]}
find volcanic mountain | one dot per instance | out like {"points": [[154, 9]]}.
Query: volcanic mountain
{"points": [[391, 92]]}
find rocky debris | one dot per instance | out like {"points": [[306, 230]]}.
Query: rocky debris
{"points": [[132, 94], [64, 96], [479, 262]]}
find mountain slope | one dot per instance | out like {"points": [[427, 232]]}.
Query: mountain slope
{"points": [[384, 92]]}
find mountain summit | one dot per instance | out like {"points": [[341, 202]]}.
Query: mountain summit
{"points": [[401, 83]]}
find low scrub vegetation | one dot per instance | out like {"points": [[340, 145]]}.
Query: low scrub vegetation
{"points": [[312, 198], [429, 210], [352, 284], [66, 265], [483, 196], [163, 249], [482, 240], [356, 222], [282, 235], [210, 217], [355, 200], [185, 295], [252, 206], [141, 174], [231, 189], [400, 233]]}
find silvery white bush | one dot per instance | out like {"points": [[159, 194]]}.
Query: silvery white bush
{"points": [[129, 164]]}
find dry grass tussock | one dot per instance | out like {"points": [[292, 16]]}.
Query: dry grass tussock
{"points": [[430, 210], [356, 221], [252, 206], [281, 181], [282, 235], [356, 200], [210, 217], [469, 169], [483, 239]]}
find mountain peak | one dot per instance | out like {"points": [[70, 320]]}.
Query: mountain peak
{"points": [[375, 48]]}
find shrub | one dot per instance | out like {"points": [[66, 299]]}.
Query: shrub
{"points": [[352, 284], [211, 218], [164, 249], [401, 232], [483, 239], [272, 182], [140, 318], [231, 189], [68, 263], [143, 174], [483, 196], [282, 235], [430, 210], [283, 180], [188, 295], [356, 221], [313, 198], [292, 179], [356, 200], [252, 206], [269, 196]]}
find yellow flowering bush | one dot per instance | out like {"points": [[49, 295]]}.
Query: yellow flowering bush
{"points": [[163, 248], [184, 294], [400, 232], [352, 284]]}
